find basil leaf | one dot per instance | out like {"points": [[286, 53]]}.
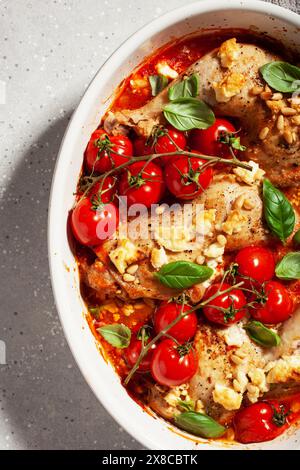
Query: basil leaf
{"points": [[95, 312], [289, 267], [278, 211], [189, 113], [262, 335], [157, 83], [199, 424], [281, 76], [296, 238], [187, 88], [118, 335], [183, 274]]}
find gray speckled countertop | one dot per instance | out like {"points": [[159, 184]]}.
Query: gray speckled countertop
{"points": [[49, 53]]}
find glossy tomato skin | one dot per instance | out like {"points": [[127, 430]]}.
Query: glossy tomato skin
{"points": [[169, 368], [182, 186], [166, 143], [147, 193], [255, 423], [101, 161], [278, 307], [91, 227], [206, 140], [141, 147], [108, 190], [185, 329], [132, 354], [256, 262], [235, 298]]}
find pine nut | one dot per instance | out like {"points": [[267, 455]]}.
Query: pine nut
{"points": [[277, 97], [238, 203], [266, 95], [237, 386], [280, 123], [248, 205], [128, 277], [288, 137], [200, 259], [257, 90], [236, 359], [221, 240], [132, 269], [296, 120], [263, 133], [288, 111], [267, 88]]}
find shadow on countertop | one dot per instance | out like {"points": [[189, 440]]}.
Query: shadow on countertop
{"points": [[45, 399]]}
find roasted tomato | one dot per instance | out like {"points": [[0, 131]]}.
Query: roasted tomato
{"points": [[163, 140], [173, 365], [186, 178], [142, 183], [262, 421], [132, 354], [274, 303], [226, 308], [105, 152], [105, 192], [185, 329], [256, 262], [209, 141], [93, 222]]}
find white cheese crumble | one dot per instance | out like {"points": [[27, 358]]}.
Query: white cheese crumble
{"points": [[124, 255]]}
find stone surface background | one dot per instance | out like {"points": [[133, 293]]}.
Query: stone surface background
{"points": [[49, 53]]}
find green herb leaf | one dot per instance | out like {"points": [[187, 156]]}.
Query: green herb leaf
{"points": [[296, 238], [183, 274], [118, 335], [278, 211], [262, 335], [281, 76], [95, 312], [157, 83], [189, 113], [289, 267], [199, 424], [187, 405], [187, 88]]}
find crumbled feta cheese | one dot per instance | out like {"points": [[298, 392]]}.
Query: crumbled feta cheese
{"points": [[158, 257], [234, 335], [285, 369], [234, 222], [125, 254], [250, 176], [214, 250], [229, 86], [229, 52], [227, 397], [175, 237]]}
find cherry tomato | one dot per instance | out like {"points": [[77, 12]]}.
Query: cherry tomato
{"points": [[206, 141], [276, 304], [262, 421], [232, 303], [105, 152], [185, 179], [256, 262], [170, 366], [108, 190], [91, 226], [164, 141], [142, 183], [185, 329], [132, 354]]}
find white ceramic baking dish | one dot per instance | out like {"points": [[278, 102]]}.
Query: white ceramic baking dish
{"points": [[280, 23]]}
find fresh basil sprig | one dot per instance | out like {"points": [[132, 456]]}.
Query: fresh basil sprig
{"points": [[183, 274], [118, 335], [289, 267], [296, 238], [262, 335], [189, 113], [157, 83], [187, 88], [281, 76], [199, 424], [278, 211]]}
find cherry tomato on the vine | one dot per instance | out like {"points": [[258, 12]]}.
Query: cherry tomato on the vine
{"points": [[207, 141], [92, 223], [274, 305], [262, 421], [226, 308], [173, 365], [105, 152], [142, 183], [133, 351], [182, 331], [186, 178], [104, 192], [256, 262]]}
